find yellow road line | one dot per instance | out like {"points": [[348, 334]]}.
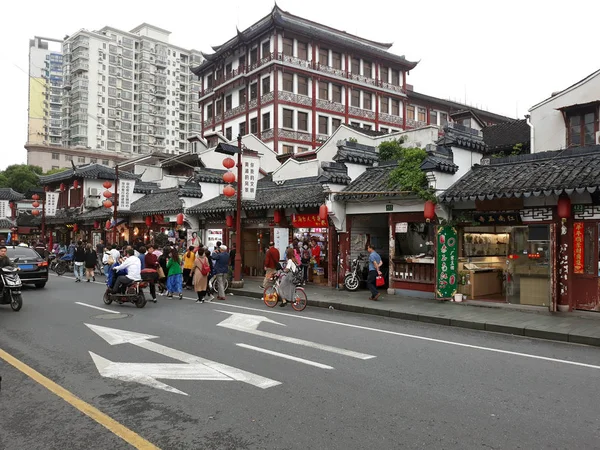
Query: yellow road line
{"points": [[106, 421]]}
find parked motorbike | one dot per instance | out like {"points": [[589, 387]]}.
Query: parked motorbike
{"points": [[130, 294], [359, 271], [61, 264], [11, 287]]}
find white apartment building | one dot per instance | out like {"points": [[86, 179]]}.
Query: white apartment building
{"points": [[129, 92], [45, 91]]}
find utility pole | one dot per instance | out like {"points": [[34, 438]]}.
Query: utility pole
{"points": [[237, 272], [115, 235]]}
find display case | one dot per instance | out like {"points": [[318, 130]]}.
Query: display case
{"points": [[485, 244]]}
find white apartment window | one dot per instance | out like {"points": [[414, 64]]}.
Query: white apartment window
{"points": [[105, 162], [55, 155], [68, 158], [81, 159]]}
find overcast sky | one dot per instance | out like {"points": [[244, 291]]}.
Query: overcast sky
{"points": [[503, 56]]}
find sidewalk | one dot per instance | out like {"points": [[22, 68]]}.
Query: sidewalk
{"points": [[581, 328]]}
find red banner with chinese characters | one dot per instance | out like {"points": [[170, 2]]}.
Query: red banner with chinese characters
{"points": [[578, 247], [308, 221]]}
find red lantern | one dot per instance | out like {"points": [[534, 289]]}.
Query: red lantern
{"points": [[229, 221], [75, 184], [159, 218], [564, 207], [107, 194], [277, 216], [107, 203], [35, 212], [107, 224], [96, 224], [323, 212], [75, 228], [180, 219], [62, 187], [148, 221], [228, 177], [36, 204], [429, 211], [35, 197], [229, 191], [228, 163], [107, 185]]}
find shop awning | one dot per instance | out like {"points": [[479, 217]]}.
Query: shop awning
{"points": [[538, 174]]}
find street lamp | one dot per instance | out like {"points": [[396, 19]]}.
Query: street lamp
{"points": [[230, 150]]}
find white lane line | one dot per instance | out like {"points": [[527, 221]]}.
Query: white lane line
{"points": [[283, 355], [422, 338], [97, 307]]}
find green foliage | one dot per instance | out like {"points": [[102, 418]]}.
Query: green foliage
{"points": [[352, 140], [20, 177], [516, 150], [408, 176], [53, 171]]}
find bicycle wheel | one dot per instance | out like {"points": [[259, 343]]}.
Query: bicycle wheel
{"points": [[270, 296], [300, 299]]}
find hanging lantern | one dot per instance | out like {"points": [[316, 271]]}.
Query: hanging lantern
{"points": [[323, 212], [277, 216], [564, 207], [75, 228], [429, 210], [180, 219], [35, 212], [228, 163], [96, 224], [107, 185], [107, 194], [229, 191], [228, 177], [36, 204], [75, 184], [148, 221], [229, 221], [62, 187], [159, 218], [107, 203], [107, 224], [35, 197]]}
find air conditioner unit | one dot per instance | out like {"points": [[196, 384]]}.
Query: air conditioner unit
{"points": [[598, 137], [94, 192], [92, 202]]}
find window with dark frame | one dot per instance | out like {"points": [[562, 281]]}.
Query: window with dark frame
{"points": [[395, 77], [384, 130], [253, 91], [209, 111], [228, 69], [242, 96], [254, 125], [288, 82], [242, 128], [410, 112], [288, 118], [324, 56], [302, 49], [336, 93], [266, 85], [367, 69], [219, 108], [323, 90], [433, 117], [355, 101], [336, 60], [583, 125], [422, 114], [355, 65], [384, 74], [302, 149], [335, 124], [254, 55], [288, 47], [323, 122], [384, 105], [228, 102], [228, 133], [302, 121], [241, 61], [287, 149], [302, 85], [443, 119], [266, 49], [266, 121], [367, 97]]}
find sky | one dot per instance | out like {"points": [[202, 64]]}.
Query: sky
{"points": [[503, 56]]}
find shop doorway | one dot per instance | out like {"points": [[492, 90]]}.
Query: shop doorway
{"points": [[586, 281], [254, 243]]}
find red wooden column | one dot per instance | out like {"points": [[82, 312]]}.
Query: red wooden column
{"points": [[404, 114], [201, 105], [314, 99], [258, 105], [564, 265], [276, 98], [346, 110], [344, 251], [376, 111]]}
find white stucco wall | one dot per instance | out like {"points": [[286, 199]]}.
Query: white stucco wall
{"points": [[549, 131], [375, 207], [293, 169]]}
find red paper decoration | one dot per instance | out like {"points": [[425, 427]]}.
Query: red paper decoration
{"points": [[323, 212], [228, 163], [429, 210], [107, 203], [229, 191], [75, 184], [62, 187], [564, 207], [229, 221], [96, 224], [35, 212], [107, 185], [148, 221], [107, 194], [180, 219], [75, 228], [228, 177], [36, 204], [35, 197], [277, 216], [107, 224]]}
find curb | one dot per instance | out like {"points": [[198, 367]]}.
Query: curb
{"points": [[492, 326]]}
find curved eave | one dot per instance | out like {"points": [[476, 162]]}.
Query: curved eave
{"points": [[518, 194]]}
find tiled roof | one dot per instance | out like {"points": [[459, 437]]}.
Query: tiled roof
{"points": [[546, 173], [372, 183], [144, 187], [334, 173], [28, 220], [372, 133], [64, 215], [101, 213], [207, 175], [505, 136], [304, 192], [355, 153], [162, 201], [6, 224], [433, 162], [10, 195], [89, 171]]}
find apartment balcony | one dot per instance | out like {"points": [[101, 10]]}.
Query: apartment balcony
{"points": [[364, 113], [160, 92], [80, 55], [209, 122], [390, 118], [235, 111], [80, 43], [412, 123], [159, 133], [267, 134], [294, 98], [302, 136], [331, 106], [80, 67], [160, 61]]}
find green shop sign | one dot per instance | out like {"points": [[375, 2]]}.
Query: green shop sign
{"points": [[446, 262]]}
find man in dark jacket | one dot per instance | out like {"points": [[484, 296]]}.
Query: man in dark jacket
{"points": [[221, 259], [151, 262], [79, 262]]}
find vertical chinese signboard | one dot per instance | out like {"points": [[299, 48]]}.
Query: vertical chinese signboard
{"points": [[251, 166], [446, 281], [578, 245]]}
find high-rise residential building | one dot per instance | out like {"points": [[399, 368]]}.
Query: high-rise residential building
{"points": [[45, 91], [292, 82], [129, 92]]}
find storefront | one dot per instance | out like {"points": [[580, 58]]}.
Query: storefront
{"points": [[311, 233]]}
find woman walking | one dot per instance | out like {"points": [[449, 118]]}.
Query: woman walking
{"points": [[79, 257], [188, 267], [91, 259], [162, 270], [211, 273], [201, 273], [287, 288], [174, 275]]}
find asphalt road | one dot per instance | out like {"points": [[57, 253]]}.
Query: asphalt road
{"points": [[359, 382]]}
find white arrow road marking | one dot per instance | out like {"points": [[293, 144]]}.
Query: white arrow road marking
{"points": [[283, 355], [249, 324], [115, 337]]}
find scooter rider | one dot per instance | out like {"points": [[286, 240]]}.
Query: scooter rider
{"points": [[133, 267], [4, 260]]}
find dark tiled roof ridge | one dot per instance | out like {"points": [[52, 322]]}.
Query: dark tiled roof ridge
{"points": [[547, 155]]}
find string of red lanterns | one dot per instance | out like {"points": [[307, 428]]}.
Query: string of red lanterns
{"points": [[107, 194], [229, 177], [35, 204]]}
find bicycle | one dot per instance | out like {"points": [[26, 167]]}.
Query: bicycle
{"points": [[271, 295], [212, 288]]}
